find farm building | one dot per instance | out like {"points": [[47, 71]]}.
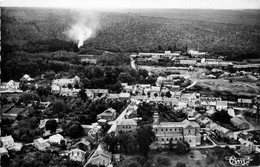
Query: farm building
{"points": [[239, 123]]}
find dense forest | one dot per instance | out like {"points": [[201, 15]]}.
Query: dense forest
{"points": [[230, 33]]}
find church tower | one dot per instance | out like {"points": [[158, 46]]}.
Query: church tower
{"points": [[156, 118]]}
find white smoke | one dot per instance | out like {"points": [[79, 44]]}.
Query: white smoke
{"points": [[80, 33], [84, 28]]}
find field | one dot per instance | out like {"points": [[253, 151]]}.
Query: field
{"points": [[168, 159], [231, 33], [245, 88]]}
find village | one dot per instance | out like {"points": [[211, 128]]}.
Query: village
{"points": [[177, 114]]}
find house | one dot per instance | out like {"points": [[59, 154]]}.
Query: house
{"points": [[64, 82], [140, 97], [176, 131], [239, 123], [26, 78], [3, 151], [77, 155], [41, 144], [128, 88], [93, 133], [155, 90], [7, 141], [222, 105], [224, 132], [126, 125], [210, 111], [124, 96], [204, 121], [86, 128], [55, 89], [109, 114], [113, 96], [57, 138], [170, 101], [156, 100], [100, 157], [102, 122], [84, 145], [245, 102], [43, 122], [231, 112], [247, 147], [11, 85]]}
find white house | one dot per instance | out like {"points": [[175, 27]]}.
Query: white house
{"points": [[7, 141], [126, 125], [100, 157], [41, 144], [57, 138], [77, 155]]}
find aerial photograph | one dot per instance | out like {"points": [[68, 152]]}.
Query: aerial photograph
{"points": [[130, 83]]}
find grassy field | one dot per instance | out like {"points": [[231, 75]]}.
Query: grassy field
{"points": [[168, 159], [246, 88]]}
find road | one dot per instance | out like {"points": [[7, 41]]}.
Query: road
{"points": [[111, 129], [133, 64]]}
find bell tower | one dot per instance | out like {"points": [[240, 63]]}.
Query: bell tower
{"points": [[156, 118]]}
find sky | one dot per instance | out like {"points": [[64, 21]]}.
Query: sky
{"points": [[122, 4]]}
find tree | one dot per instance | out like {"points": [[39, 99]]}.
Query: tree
{"points": [[155, 94], [162, 94], [69, 86], [125, 77], [82, 94], [160, 47], [168, 94], [76, 86], [33, 122], [75, 130], [171, 146], [59, 107], [180, 164], [145, 137], [49, 74], [221, 116], [182, 147], [51, 125]]}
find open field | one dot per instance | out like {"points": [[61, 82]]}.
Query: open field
{"points": [[168, 159], [247, 88]]}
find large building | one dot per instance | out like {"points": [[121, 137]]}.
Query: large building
{"points": [[188, 131]]}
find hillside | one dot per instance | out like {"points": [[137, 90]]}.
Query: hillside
{"points": [[231, 33]]}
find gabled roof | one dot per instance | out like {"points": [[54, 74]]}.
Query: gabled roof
{"points": [[64, 81], [100, 152], [3, 150], [155, 89], [85, 142], [56, 138], [76, 150], [222, 103], [7, 138], [124, 95], [101, 91], [237, 121], [41, 140], [113, 96], [127, 122]]}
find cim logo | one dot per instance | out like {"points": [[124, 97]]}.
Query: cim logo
{"points": [[235, 161]]}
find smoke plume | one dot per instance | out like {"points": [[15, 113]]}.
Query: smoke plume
{"points": [[84, 27]]}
